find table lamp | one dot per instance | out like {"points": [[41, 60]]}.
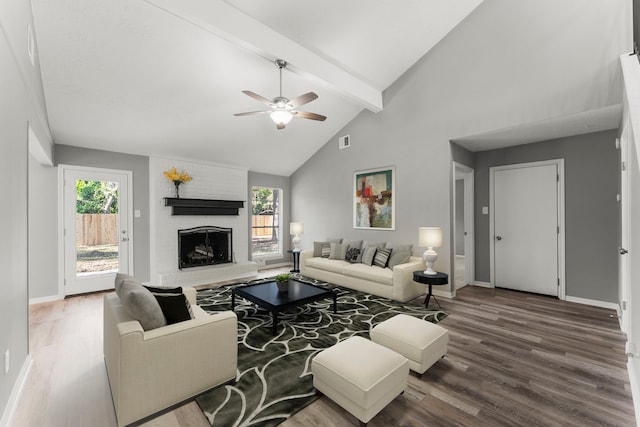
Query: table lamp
{"points": [[296, 229], [430, 237]]}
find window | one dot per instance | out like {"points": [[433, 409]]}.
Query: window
{"points": [[266, 230]]}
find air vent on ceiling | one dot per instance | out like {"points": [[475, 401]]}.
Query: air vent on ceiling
{"points": [[344, 142]]}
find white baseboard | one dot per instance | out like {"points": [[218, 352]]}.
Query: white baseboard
{"points": [[593, 302], [482, 284], [443, 294], [633, 367], [16, 392], [277, 265], [45, 299]]}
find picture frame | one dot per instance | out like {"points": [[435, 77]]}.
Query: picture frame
{"points": [[374, 206]]}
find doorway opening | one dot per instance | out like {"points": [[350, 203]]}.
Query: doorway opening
{"points": [[463, 226]]}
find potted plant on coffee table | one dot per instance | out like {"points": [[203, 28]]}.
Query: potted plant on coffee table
{"points": [[282, 280]]}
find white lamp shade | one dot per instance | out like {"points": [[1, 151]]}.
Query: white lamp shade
{"points": [[296, 228], [430, 237]]}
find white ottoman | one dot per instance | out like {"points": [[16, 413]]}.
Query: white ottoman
{"points": [[422, 342], [360, 376]]}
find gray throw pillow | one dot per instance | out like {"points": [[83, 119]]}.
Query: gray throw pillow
{"points": [[354, 244], [317, 248], [334, 240], [338, 250], [366, 244], [121, 278], [368, 255], [398, 257], [381, 258], [403, 248], [140, 303]]}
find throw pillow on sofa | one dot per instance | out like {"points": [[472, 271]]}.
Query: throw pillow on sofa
{"points": [[334, 240], [368, 255], [173, 303], [403, 248], [352, 255], [338, 250], [121, 278], [321, 247], [366, 244], [381, 257], [141, 305], [398, 257]]}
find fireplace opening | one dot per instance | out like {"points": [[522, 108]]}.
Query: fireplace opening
{"points": [[200, 246]]}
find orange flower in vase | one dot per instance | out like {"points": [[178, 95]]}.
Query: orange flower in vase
{"points": [[177, 178]]}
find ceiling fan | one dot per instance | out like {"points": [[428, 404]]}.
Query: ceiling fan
{"points": [[283, 109]]}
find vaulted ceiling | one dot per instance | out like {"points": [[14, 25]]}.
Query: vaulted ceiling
{"points": [[164, 77]]}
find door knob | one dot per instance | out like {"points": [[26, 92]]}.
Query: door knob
{"points": [[623, 251], [498, 237]]}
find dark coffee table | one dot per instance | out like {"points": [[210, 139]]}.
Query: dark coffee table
{"points": [[267, 296]]}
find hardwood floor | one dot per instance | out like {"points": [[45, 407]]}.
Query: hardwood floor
{"points": [[514, 359]]}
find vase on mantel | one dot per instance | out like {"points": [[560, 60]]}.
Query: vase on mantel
{"points": [[177, 184]]}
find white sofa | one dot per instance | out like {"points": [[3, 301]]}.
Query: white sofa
{"points": [[150, 371], [396, 284]]}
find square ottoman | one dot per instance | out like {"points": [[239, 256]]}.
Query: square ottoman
{"points": [[360, 376], [422, 342]]}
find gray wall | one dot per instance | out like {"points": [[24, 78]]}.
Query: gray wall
{"points": [[139, 165], [591, 210], [474, 80], [21, 103], [275, 181], [43, 230]]}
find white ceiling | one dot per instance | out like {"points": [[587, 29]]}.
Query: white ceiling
{"points": [[164, 77], [576, 124]]}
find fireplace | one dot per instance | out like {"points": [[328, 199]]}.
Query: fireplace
{"points": [[201, 246]]}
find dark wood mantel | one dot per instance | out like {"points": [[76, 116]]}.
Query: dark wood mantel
{"points": [[180, 206]]}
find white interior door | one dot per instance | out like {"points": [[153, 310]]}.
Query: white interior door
{"points": [[526, 228], [96, 228]]}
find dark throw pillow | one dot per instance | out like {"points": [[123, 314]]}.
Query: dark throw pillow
{"points": [[175, 307], [173, 303], [352, 255], [381, 258], [155, 290]]}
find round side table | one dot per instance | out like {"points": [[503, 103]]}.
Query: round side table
{"points": [[430, 279]]}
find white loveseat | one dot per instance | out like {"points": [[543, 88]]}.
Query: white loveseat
{"points": [[150, 371], [396, 284]]}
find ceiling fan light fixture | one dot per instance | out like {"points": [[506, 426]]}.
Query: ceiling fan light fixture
{"points": [[281, 117], [283, 109]]}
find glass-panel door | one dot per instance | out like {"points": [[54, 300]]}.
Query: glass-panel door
{"points": [[96, 231]]}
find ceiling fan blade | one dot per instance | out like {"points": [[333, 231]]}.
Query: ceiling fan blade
{"points": [[252, 113], [312, 116], [257, 97], [302, 99], [280, 126]]}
